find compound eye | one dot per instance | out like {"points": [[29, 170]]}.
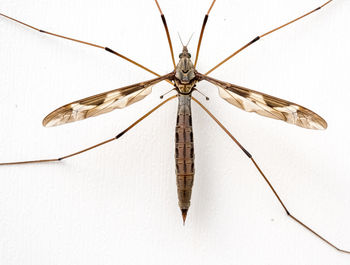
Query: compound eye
{"points": [[180, 55]]}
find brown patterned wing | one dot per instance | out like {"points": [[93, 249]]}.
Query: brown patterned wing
{"points": [[268, 106], [102, 103]]}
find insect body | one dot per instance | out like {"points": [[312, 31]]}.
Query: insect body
{"points": [[184, 78]]}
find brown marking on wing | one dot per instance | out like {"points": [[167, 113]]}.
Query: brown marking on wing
{"points": [[102, 103], [266, 105]]}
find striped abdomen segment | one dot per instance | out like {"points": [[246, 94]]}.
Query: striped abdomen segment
{"points": [[184, 153]]}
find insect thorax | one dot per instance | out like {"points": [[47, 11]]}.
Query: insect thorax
{"points": [[185, 73]]}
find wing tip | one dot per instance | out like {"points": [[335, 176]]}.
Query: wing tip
{"points": [[323, 123], [47, 122]]}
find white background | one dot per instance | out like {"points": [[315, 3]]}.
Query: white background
{"points": [[118, 203]]}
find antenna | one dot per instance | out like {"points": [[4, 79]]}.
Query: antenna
{"points": [[189, 39], [181, 39]]}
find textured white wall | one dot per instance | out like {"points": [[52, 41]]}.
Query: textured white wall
{"points": [[118, 204]]}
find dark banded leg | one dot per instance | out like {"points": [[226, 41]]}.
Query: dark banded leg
{"points": [[83, 42], [167, 33], [202, 32], [265, 34], [265, 178], [94, 146]]}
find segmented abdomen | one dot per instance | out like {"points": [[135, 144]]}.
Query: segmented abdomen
{"points": [[184, 152]]}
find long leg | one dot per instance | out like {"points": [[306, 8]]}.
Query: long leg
{"points": [[202, 32], [167, 33], [94, 146], [265, 178], [83, 42], [263, 35]]}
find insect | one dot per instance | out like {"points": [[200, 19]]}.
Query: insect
{"points": [[184, 77]]}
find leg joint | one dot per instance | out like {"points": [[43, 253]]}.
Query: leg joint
{"points": [[120, 135], [254, 40], [246, 152], [110, 50]]}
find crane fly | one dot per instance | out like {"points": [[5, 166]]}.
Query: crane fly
{"points": [[184, 78]]}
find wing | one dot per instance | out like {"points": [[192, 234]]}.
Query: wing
{"points": [[268, 106], [102, 103]]}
